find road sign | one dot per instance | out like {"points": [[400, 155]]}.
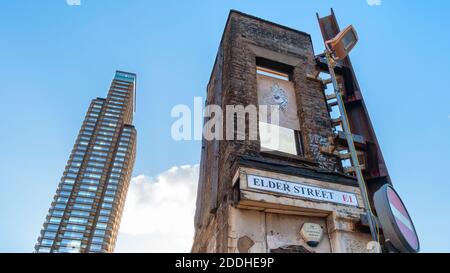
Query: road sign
{"points": [[395, 220]]}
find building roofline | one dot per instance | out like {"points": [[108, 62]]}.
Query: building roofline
{"points": [[126, 72], [266, 21], [255, 18]]}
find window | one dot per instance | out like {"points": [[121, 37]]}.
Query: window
{"points": [[106, 133], [55, 220], [113, 181], [75, 164], [276, 138], [121, 154], [60, 206], [79, 213], [97, 240], [97, 158], [102, 142], [97, 153], [52, 227], [68, 250], [104, 138], [108, 199], [101, 225], [70, 245], [82, 206], [44, 250], [77, 220], [106, 128], [71, 175], [280, 132], [95, 170], [116, 102], [110, 110], [89, 188], [77, 158], [79, 154], [115, 175], [112, 115], [57, 213], [87, 132], [64, 193], [123, 138], [73, 235], [116, 170], [123, 144], [119, 93], [50, 234], [112, 106], [62, 200], [99, 232], [67, 187], [118, 164], [121, 159], [96, 164], [47, 242], [96, 248], [115, 98], [90, 181], [107, 205], [72, 227], [103, 219], [112, 187], [105, 212], [92, 175], [81, 149], [84, 200], [85, 138], [101, 148], [272, 73], [73, 170], [110, 192], [110, 124], [86, 193]]}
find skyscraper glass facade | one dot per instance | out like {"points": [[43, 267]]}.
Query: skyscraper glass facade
{"points": [[86, 211]]}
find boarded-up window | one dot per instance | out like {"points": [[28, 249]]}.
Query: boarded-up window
{"points": [[275, 88]]}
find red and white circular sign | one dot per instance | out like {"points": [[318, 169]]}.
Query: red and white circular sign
{"points": [[395, 220]]}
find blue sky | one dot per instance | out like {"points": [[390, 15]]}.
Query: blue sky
{"points": [[55, 58]]}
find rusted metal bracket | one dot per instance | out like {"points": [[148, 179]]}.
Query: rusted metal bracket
{"points": [[376, 173]]}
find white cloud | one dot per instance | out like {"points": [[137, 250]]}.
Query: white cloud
{"points": [[73, 2], [374, 2], [159, 212]]}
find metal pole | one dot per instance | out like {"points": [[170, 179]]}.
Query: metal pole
{"points": [[351, 146]]}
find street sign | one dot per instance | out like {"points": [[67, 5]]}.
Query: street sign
{"points": [[301, 190], [395, 220]]}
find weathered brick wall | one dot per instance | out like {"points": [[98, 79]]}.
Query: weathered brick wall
{"points": [[238, 87]]}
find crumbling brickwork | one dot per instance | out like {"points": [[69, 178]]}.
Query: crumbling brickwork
{"points": [[233, 82]]}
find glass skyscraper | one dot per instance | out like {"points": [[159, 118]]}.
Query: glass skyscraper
{"points": [[86, 211]]}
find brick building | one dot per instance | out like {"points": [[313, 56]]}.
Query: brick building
{"points": [[295, 198]]}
